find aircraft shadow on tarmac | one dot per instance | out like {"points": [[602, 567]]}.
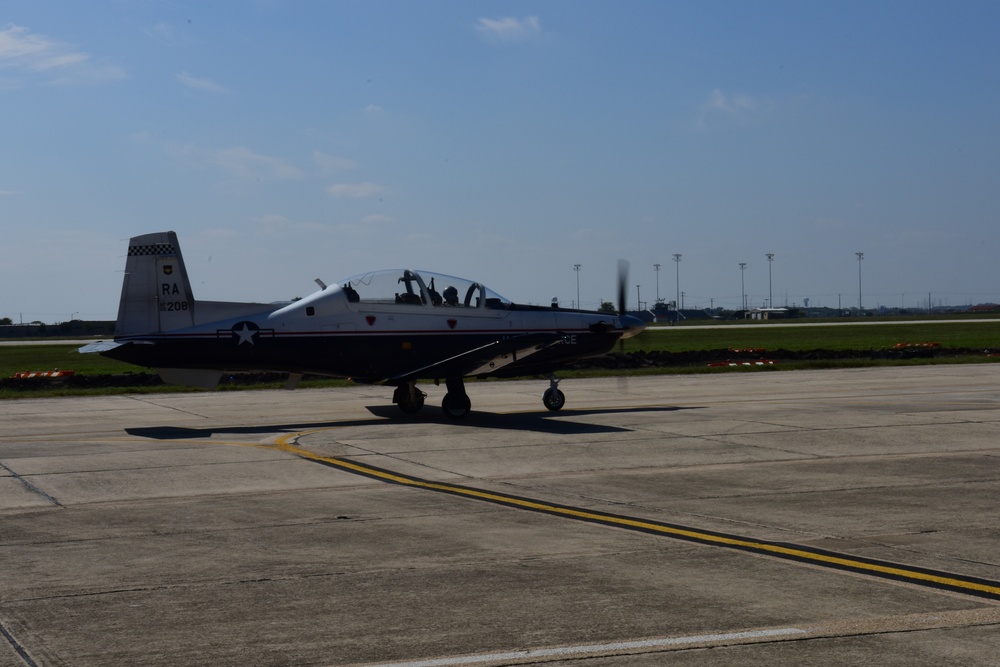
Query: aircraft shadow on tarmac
{"points": [[536, 422]]}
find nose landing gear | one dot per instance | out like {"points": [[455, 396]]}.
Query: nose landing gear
{"points": [[553, 399]]}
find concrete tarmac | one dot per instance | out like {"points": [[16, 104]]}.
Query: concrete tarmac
{"points": [[810, 517]]}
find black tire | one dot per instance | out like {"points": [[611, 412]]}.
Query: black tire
{"points": [[412, 407], [456, 406], [553, 399]]}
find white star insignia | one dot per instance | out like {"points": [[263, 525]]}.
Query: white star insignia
{"points": [[245, 334]]}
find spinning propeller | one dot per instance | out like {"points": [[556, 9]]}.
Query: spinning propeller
{"points": [[622, 284]]}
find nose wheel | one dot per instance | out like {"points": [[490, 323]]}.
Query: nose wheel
{"points": [[553, 398]]}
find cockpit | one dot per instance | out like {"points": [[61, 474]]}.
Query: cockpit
{"points": [[420, 288]]}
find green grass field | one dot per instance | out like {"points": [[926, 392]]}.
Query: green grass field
{"points": [[976, 336], [876, 336], [16, 358]]}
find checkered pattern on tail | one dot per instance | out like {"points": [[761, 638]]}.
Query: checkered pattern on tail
{"points": [[158, 249]]}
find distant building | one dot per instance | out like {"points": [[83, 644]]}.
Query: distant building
{"points": [[664, 312], [767, 314]]}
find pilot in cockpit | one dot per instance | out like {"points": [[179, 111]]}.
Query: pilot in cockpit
{"points": [[435, 297], [450, 296]]}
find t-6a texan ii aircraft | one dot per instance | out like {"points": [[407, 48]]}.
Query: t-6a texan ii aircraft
{"points": [[392, 327]]}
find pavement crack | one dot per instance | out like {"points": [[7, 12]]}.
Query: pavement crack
{"points": [[29, 486], [14, 644], [147, 401]]}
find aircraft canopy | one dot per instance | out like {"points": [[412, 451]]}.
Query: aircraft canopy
{"points": [[423, 288]]}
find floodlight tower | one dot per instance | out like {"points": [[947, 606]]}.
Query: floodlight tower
{"points": [[770, 290], [656, 267], [576, 267], [743, 289], [677, 303], [860, 256]]}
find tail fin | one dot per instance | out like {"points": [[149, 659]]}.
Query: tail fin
{"points": [[156, 293]]}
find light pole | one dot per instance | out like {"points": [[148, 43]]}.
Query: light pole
{"points": [[677, 302], [656, 267], [576, 267], [638, 301], [770, 291], [743, 289], [861, 256]]}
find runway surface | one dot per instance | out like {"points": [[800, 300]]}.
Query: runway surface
{"points": [[818, 517]]}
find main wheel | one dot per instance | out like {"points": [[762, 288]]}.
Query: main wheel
{"points": [[553, 399], [410, 402], [456, 406]]}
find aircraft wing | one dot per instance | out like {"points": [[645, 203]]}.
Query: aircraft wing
{"points": [[484, 359]]}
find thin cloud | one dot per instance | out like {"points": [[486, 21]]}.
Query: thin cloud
{"points": [[328, 163], [164, 33], [37, 58], [196, 83], [271, 223], [509, 29], [239, 162], [719, 101], [738, 107], [247, 165], [356, 190]]}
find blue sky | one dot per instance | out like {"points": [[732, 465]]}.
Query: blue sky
{"points": [[504, 142]]}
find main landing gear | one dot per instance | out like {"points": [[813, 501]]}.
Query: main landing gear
{"points": [[456, 403], [409, 398]]}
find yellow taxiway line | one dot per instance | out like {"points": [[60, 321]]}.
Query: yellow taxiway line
{"points": [[925, 577]]}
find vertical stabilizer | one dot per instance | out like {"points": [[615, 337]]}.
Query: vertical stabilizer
{"points": [[156, 293]]}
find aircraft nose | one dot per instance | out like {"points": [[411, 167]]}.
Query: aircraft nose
{"points": [[632, 325]]}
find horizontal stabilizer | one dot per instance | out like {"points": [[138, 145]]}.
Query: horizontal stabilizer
{"points": [[99, 346]]}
